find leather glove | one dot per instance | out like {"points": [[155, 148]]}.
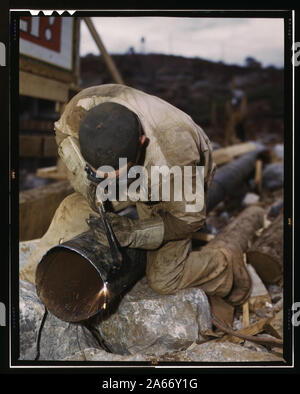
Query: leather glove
{"points": [[141, 234]]}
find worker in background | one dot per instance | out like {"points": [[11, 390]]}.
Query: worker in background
{"points": [[235, 116], [106, 122]]}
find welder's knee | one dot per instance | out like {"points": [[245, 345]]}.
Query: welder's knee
{"points": [[160, 286]]}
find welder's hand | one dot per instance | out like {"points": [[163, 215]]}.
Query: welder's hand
{"points": [[121, 225], [144, 234]]}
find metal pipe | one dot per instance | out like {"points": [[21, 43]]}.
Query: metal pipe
{"points": [[228, 178], [75, 279]]}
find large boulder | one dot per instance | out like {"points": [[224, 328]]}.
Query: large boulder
{"points": [[272, 176], [31, 312], [146, 320], [58, 338]]}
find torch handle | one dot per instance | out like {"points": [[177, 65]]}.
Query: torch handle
{"points": [[113, 243]]}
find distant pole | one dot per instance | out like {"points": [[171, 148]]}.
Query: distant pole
{"points": [[143, 40], [106, 57]]}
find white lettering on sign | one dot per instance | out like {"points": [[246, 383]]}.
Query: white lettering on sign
{"points": [[48, 32], [35, 27]]}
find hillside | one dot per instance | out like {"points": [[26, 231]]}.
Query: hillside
{"points": [[194, 84]]}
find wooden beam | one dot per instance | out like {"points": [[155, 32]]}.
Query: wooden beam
{"points": [[51, 173], [36, 125], [225, 155], [246, 318], [30, 146], [40, 87], [37, 207], [106, 57], [49, 146], [258, 175], [37, 146], [31, 66], [253, 329], [59, 171], [205, 237]]}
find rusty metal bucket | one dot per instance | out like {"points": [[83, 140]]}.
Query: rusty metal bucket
{"points": [[74, 279]]}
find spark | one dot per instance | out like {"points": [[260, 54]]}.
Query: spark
{"points": [[105, 292]]}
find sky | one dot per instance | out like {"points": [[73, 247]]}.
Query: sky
{"points": [[229, 40]]}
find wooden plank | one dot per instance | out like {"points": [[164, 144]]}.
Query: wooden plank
{"points": [[49, 146], [30, 146], [246, 319], [253, 329], [51, 173], [37, 207], [54, 172], [37, 146], [41, 87], [106, 57], [225, 155], [203, 236], [38, 68], [36, 125], [258, 175]]}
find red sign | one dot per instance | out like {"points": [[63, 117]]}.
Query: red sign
{"points": [[43, 31]]}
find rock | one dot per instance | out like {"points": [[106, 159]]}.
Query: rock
{"points": [[226, 351], [145, 319], [225, 215], [272, 176], [276, 292], [30, 181], [250, 198], [254, 346], [278, 149], [58, 339], [237, 323], [25, 250], [212, 351], [275, 209], [31, 312], [92, 354]]}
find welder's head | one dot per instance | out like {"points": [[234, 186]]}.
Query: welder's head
{"points": [[108, 132]]}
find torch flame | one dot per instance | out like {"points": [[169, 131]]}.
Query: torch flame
{"points": [[104, 291]]}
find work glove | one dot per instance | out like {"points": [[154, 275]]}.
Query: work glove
{"points": [[141, 234]]}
